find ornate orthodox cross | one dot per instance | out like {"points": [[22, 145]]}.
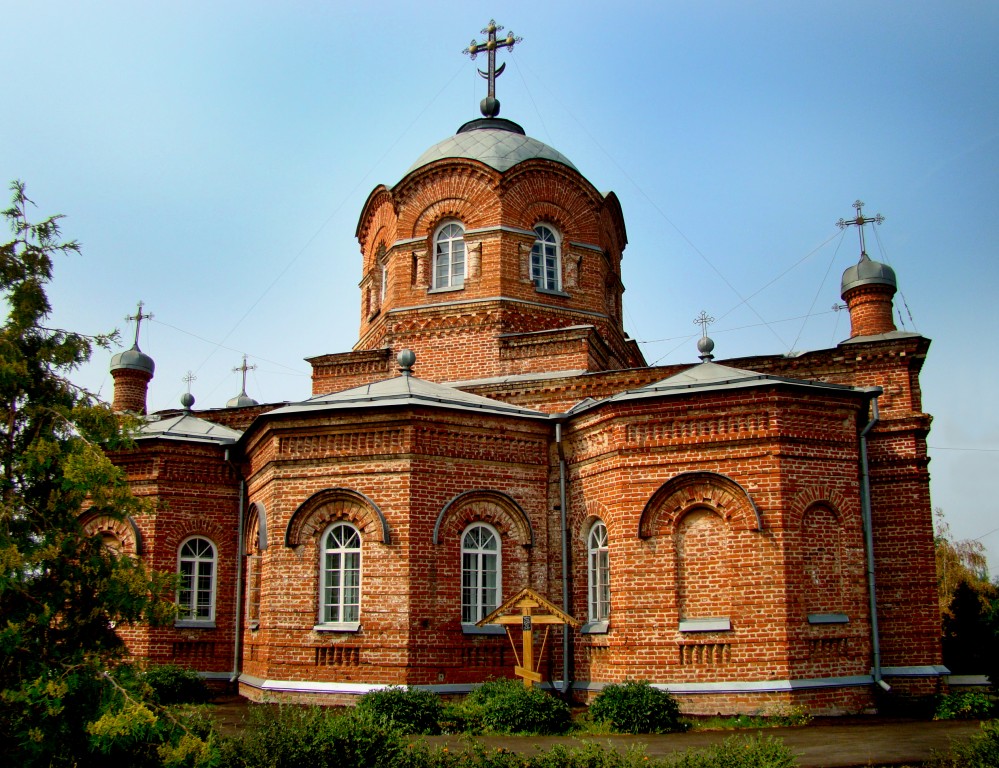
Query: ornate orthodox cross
{"points": [[490, 104], [138, 317], [859, 223], [188, 379], [244, 368], [703, 320]]}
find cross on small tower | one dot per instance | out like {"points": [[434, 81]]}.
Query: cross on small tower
{"points": [[244, 368], [859, 223], [138, 317], [703, 320], [188, 379], [490, 105]]}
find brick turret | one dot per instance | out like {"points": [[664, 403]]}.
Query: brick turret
{"points": [[132, 371], [867, 289]]}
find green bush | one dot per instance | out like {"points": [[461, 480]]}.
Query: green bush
{"points": [[175, 685], [965, 705], [738, 752], [461, 717], [507, 706], [410, 710], [980, 751], [312, 737], [475, 755], [637, 707]]}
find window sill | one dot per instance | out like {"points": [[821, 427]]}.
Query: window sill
{"points": [[338, 626], [192, 624], [489, 629], [448, 289], [828, 618], [551, 292], [595, 627], [720, 624]]}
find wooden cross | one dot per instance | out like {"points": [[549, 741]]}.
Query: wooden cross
{"points": [[244, 368], [533, 609], [490, 106], [859, 223], [138, 317]]}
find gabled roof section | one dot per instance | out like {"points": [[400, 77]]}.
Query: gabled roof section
{"points": [[406, 391], [188, 428], [714, 377]]}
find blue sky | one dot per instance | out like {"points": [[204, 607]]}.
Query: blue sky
{"points": [[212, 158]]}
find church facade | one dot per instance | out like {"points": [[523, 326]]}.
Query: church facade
{"points": [[747, 533]]}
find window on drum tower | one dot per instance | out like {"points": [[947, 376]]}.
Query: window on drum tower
{"points": [[546, 264], [449, 256]]}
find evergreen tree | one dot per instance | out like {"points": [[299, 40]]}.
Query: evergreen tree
{"points": [[62, 593]]}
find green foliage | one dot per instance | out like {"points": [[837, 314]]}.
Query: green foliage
{"points": [[171, 684], [980, 751], [461, 717], [61, 592], [637, 707], [507, 706], [964, 705], [312, 737], [738, 752], [474, 755], [407, 709]]}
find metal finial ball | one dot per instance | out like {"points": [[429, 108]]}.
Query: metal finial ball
{"points": [[187, 400], [406, 358], [489, 106], [705, 345]]}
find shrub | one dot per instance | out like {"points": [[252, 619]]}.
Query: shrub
{"points": [[175, 685], [966, 705], [738, 752], [461, 717], [410, 710], [507, 706], [637, 707], [980, 751], [312, 737]]}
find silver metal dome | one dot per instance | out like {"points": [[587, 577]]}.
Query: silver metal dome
{"points": [[135, 359], [868, 272], [494, 143]]}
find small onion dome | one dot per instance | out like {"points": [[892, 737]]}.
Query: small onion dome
{"points": [[241, 401], [134, 359], [705, 345], [868, 272], [406, 359], [187, 400]]}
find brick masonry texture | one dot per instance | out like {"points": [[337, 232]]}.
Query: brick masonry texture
{"points": [[734, 516]]}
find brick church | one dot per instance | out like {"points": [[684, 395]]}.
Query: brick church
{"points": [[747, 533]]}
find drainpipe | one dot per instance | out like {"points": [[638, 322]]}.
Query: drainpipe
{"points": [[236, 644], [566, 607], [865, 504]]}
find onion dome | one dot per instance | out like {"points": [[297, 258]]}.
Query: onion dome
{"points": [[133, 359], [868, 272], [241, 401]]}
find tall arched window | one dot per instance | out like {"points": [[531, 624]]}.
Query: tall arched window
{"points": [[480, 572], [545, 263], [340, 598], [196, 561], [449, 256], [598, 572]]}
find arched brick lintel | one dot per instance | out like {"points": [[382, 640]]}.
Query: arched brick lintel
{"points": [[124, 529], [678, 494], [521, 523], [366, 510], [257, 508]]}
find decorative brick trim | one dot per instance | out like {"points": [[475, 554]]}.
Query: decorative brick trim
{"points": [[123, 529], [325, 506], [692, 489], [493, 507]]}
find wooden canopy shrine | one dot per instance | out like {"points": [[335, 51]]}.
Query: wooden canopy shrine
{"points": [[528, 608]]}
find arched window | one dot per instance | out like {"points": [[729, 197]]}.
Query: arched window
{"points": [[598, 572], [449, 256], [480, 572], [196, 562], [545, 262], [340, 567]]}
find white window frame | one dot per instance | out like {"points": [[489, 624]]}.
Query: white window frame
{"points": [[598, 575], [546, 258], [195, 564], [340, 577], [449, 252], [480, 559]]}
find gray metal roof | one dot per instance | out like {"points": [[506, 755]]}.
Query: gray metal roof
{"points": [[133, 358], [189, 428], [714, 377], [406, 391], [499, 149], [868, 272]]}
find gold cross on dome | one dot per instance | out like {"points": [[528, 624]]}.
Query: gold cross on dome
{"points": [[490, 106], [244, 368], [859, 223], [138, 317]]}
